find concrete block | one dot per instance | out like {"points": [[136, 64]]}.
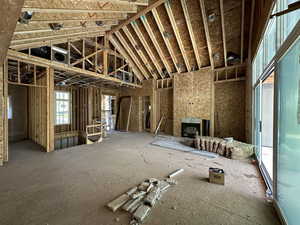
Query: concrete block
{"points": [[133, 203], [138, 194], [131, 191], [163, 185]]}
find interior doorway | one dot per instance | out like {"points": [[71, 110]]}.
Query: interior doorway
{"points": [[146, 113], [108, 115]]}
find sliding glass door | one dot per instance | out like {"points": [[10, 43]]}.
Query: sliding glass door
{"points": [[288, 143]]}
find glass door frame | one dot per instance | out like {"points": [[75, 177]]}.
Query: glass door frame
{"points": [[267, 72], [293, 37]]}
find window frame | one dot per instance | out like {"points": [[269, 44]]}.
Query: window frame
{"points": [[69, 110]]}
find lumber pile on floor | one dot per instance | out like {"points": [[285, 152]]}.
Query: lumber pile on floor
{"points": [[228, 148], [139, 200]]}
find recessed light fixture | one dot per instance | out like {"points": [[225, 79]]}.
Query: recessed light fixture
{"points": [[25, 17], [212, 17]]}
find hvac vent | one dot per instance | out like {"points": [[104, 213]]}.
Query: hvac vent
{"points": [[60, 55], [25, 17], [167, 34], [233, 58], [56, 26], [99, 23]]}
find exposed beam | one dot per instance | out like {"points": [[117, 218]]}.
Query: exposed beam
{"points": [[177, 34], [223, 31], [140, 52], [53, 37], [136, 16], [110, 21], [36, 44], [13, 55], [166, 40], [10, 11], [80, 7], [191, 31], [205, 23], [132, 54], [150, 31], [148, 49], [242, 31], [117, 45], [76, 29]]}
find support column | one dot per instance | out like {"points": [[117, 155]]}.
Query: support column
{"points": [[105, 55], [50, 109]]}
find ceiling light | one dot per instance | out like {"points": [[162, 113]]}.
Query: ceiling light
{"points": [[25, 17]]}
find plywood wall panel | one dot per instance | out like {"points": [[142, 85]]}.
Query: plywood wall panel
{"points": [[230, 110], [192, 97]]}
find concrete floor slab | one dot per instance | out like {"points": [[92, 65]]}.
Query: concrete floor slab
{"points": [[72, 186]]}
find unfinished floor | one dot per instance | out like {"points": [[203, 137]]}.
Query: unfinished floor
{"points": [[72, 186]]}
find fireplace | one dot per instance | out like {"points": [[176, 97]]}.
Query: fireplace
{"points": [[192, 126]]}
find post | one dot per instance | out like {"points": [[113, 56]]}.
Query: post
{"points": [[50, 109], [105, 55]]}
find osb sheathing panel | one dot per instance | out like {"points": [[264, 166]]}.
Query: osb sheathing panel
{"points": [[160, 39], [165, 108], [183, 31], [163, 15], [10, 10], [192, 97], [215, 32], [198, 29], [232, 20], [230, 110]]}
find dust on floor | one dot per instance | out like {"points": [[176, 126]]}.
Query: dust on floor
{"points": [[72, 186]]}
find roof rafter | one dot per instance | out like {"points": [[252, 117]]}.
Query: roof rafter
{"points": [[167, 41], [140, 52], [147, 47], [176, 31], [132, 54], [117, 45], [156, 44], [223, 31], [191, 32], [204, 16]]}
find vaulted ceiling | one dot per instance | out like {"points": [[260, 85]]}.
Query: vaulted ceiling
{"points": [[157, 37]]}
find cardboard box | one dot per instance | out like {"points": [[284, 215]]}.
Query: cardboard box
{"points": [[216, 176]]}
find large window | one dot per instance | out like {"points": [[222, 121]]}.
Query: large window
{"points": [[62, 107]]}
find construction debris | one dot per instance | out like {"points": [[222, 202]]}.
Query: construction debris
{"points": [[176, 172], [139, 200]]}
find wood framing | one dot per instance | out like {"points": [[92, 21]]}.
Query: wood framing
{"points": [[136, 16], [50, 109], [177, 34], [48, 63], [223, 31], [132, 54], [148, 48], [166, 40], [191, 32], [139, 51], [156, 44], [204, 17], [123, 52]]}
